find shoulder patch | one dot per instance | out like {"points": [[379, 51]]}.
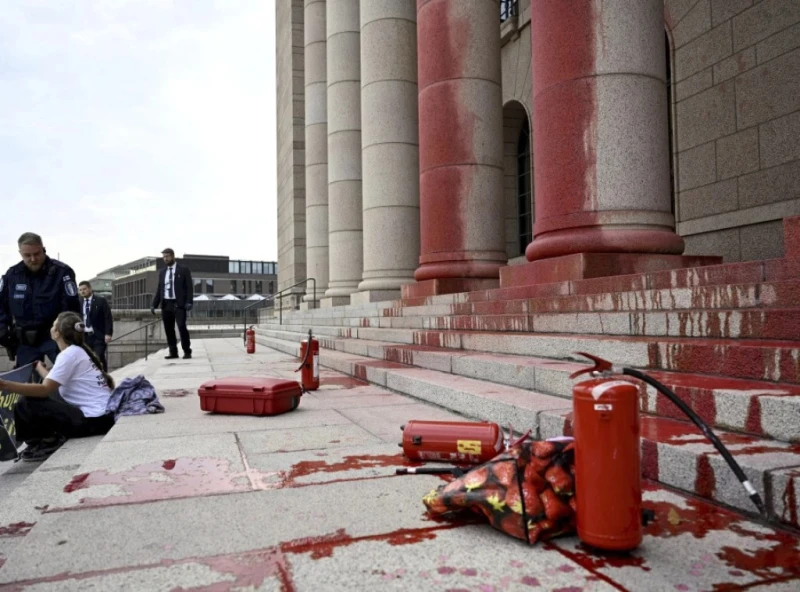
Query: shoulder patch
{"points": [[70, 288], [2, 282]]}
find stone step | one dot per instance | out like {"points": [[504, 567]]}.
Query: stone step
{"points": [[673, 452], [749, 272], [781, 324], [768, 360], [22, 507], [697, 299], [755, 407]]}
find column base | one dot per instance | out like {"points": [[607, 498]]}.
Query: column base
{"points": [[332, 301], [582, 266], [367, 296], [310, 305], [447, 286]]}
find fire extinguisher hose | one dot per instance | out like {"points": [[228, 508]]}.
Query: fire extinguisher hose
{"points": [[308, 353], [751, 491]]}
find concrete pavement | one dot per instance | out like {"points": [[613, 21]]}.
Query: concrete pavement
{"points": [[309, 501]]}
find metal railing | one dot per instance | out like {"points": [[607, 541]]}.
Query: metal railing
{"points": [[508, 8], [146, 336], [272, 297]]}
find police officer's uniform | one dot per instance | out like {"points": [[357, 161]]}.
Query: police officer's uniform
{"points": [[30, 302]]}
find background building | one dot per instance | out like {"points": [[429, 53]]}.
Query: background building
{"points": [[214, 277], [685, 143], [102, 283]]}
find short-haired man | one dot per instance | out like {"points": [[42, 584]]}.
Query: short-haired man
{"points": [[32, 294], [98, 321], [175, 295]]}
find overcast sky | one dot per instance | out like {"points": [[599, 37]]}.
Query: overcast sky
{"points": [[127, 126]]}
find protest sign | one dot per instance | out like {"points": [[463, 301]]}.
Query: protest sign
{"points": [[8, 432]]}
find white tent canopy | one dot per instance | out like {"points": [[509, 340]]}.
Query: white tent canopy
{"points": [[230, 297], [256, 297], [202, 298]]}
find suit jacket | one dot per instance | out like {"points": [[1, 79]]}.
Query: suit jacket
{"points": [[184, 289], [100, 316]]}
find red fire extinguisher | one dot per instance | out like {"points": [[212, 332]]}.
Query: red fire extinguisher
{"points": [[605, 423], [250, 340], [608, 489], [309, 351], [452, 441]]}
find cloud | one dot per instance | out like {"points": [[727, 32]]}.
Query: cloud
{"points": [[126, 125]]}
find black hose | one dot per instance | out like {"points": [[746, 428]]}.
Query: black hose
{"points": [[706, 431], [308, 351]]}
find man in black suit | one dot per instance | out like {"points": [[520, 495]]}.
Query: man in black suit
{"points": [[98, 321], [175, 295]]}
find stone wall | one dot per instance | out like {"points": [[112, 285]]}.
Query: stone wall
{"points": [[291, 144], [737, 122]]}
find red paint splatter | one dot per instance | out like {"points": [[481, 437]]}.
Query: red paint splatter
{"points": [[252, 568], [530, 581], [16, 529], [168, 465], [349, 463], [445, 570], [789, 499], [705, 482], [77, 482]]}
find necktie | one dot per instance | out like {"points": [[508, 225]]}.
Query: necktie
{"points": [[171, 291], [86, 320]]}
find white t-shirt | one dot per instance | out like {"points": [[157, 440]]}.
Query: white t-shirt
{"points": [[82, 384]]}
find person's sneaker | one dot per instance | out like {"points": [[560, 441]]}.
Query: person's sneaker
{"points": [[187, 356], [42, 451], [171, 357]]}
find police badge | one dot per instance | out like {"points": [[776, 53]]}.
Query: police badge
{"points": [[70, 287]]}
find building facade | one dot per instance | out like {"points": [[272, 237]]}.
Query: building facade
{"points": [[213, 276], [450, 145]]}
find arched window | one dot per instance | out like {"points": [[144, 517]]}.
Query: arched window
{"points": [[524, 187]]}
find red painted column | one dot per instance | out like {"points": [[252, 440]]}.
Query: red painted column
{"points": [[601, 156], [460, 145]]}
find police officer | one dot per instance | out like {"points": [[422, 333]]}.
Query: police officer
{"points": [[32, 294]]}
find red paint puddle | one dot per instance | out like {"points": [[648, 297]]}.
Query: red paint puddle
{"points": [[16, 529], [344, 381], [187, 477]]}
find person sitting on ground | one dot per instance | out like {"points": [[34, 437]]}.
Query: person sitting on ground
{"points": [[71, 400]]}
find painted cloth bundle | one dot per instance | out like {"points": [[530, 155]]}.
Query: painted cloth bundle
{"points": [[134, 396], [526, 492]]}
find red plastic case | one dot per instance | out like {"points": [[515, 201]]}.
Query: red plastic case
{"points": [[250, 396]]}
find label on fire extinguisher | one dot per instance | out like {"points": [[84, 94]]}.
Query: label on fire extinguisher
{"points": [[603, 407], [316, 367], [468, 446]]}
